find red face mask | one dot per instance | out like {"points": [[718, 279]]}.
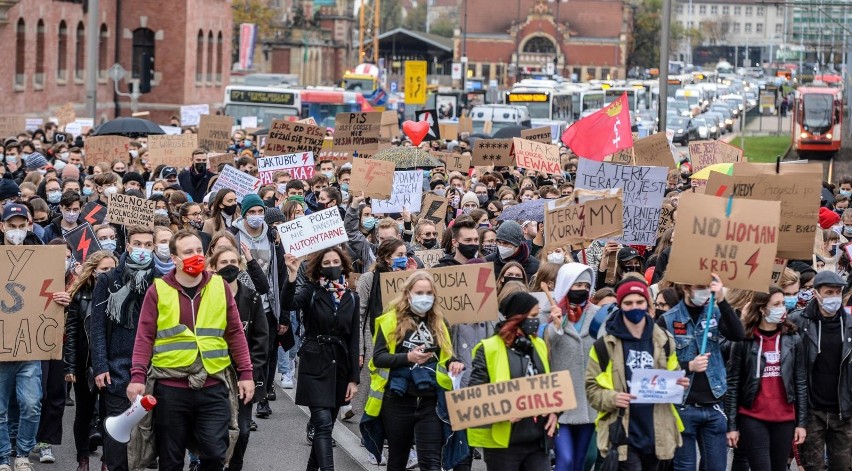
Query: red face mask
{"points": [[193, 266]]}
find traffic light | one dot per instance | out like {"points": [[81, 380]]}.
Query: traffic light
{"points": [[147, 73]]}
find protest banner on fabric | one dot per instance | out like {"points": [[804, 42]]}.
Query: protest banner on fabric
{"points": [[434, 207], [466, 293], [106, 148], [241, 183], [358, 131], [654, 151], [33, 325], [493, 152], [373, 177], [543, 134], [190, 115], [214, 132], [94, 213], [173, 150], [82, 241], [799, 195], [313, 232], [407, 193], [12, 124], [429, 257], [738, 242], [518, 398], [286, 137], [644, 189], [130, 210], [536, 156], [300, 166]]}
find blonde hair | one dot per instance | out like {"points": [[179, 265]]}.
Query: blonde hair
{"points": [[788, 277], [87, 276], [434, 317]]}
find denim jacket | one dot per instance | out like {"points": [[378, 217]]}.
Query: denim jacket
{"points": [[688, 344]]}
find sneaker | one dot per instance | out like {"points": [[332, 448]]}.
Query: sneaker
{"points": [[23, 464], [253, 426], [45, 454], [309, 434], [370, 458], [287, 382], [5, 467], [271, 395], [346, 412], [412, 460], [263, 410], [96, 439], [194, 466]]}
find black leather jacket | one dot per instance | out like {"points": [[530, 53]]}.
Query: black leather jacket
{"points": [[75, 352], [743, 386]]}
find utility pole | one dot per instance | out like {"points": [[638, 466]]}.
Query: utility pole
{"points": [[664, 62], [92, 37]]}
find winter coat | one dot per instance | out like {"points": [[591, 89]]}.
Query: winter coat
{"points": [[279, 279], [195, 185], [256, 329], [75, 352]]}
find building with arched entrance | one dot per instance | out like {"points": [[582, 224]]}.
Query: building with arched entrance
{"points": [[579, 40]]}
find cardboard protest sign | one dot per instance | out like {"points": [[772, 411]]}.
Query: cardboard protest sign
{"points": [[654, 151], [308, 120], [300, 166], [666, 219], [740, 248], [622, 157], [130, 210], [786, 168], [465, 293], [339, 158], [567, 222], [240, 182], [779, 266], [434, 208], [357, 131], [493, 152], [517, 398], [94, 213], [34, 123], [12, 124], [726, 153], [536, 156], [407, 193], [286, 137], [65, 114], [465, 124], [542, 134], [651, 386], [644, 189], [174, 150], [706, 153], [106, 148], [373, 177], [33, 325], [248, 122], [449, 131], [389, 127], [82, 242], [455, 162], [313, 232], [190, 115], [799, 195], [429, 257], [215, 160], [214, 132], [431, 117]]}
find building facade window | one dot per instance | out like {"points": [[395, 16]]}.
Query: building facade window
{"points": [[62, 52], [143, 45], [736, 27], [679, 10], [540, 44], [749, 11], [199, 57], [102, 52], [714, 10], [210, 56], [80, 52], [748, 27], [761, 11], [486, 71], [702, 10], [758, 27], [39, 66], [738, 11], [779, 28], [20, 52], [726, 10], [220, 65]]}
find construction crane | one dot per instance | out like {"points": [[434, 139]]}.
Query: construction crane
{"points": [[368, 31]]}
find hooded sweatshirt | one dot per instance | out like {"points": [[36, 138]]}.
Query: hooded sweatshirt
{"points": [[565, 278], [261, 250]]}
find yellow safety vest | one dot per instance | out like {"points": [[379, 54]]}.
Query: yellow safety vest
{"points": [[497, 359], [379, 376], [177, 346]]}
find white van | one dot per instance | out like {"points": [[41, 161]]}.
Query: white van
{"points": [[500, 116]]}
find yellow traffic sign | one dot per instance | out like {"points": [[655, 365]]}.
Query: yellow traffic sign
{"points": [[415, 82]]}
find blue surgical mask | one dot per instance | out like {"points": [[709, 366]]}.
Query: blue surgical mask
{"points": [[54, 196], [140, 255], [440, 191], [790, 302], [87, 191], [107, 244], [369, 223], [254, 220], [156, 193], [344, 187], [400, 263], [846, 193]]}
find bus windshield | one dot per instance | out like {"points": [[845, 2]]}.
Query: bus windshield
{"points": [[612, 95], [358, 84], [817, 109], [265, 114], [324, 113]]}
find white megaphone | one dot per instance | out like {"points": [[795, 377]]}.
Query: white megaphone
{"points": [[119, 426]]}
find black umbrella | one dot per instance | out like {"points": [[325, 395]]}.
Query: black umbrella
{"points": [[130, 127], [509, 131]]}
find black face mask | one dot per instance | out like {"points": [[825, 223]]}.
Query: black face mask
{"points": [[230, 210], [468, 250], [530, 326], [578, 296], [120, 174], [200, 167], [507, 279], [229, 273], [331, 273], [429, 243]]}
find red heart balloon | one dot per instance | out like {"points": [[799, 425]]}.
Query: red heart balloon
{"points": [[415, 130]]}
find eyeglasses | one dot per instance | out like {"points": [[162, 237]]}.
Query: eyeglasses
{"points": [[661, 306]]}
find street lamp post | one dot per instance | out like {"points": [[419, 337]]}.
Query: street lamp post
{"points": [[92, 36], [664, 62]]}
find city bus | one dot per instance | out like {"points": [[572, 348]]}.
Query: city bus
{"points": [[264, 103], [323, 103], [817, 121]]}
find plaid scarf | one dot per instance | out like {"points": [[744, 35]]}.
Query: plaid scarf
{"points": [[336, 288]]}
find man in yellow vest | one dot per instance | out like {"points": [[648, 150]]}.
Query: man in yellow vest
{"points": [[190, 330]]}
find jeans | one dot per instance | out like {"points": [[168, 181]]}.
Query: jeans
{"points": [[23, 378], [203, 413], [322, 451], [767, 444], [637, 461], [571, 445], [826, 434], [411, 420], [704, 426], [286, 359], [115, 453], [524, 457], [83, 414], [244, 421], [52, 402]]}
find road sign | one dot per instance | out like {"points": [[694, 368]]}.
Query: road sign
{"points": [[116, 72], [415, 82], [394, 87], [457, 71]]}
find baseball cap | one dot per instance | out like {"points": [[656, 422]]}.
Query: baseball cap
{"points": [[628, 253], [167, 172], [14, 209]]}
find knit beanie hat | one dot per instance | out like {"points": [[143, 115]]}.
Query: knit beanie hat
{"points": [[36, 161], [511, 232], [133, 177], [274, 216], [827, 217], [517, 303], [8, 187], [250, 201], [632, 287], [469, 197]]}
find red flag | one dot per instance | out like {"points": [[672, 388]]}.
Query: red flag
{"points": [[602, 133]]}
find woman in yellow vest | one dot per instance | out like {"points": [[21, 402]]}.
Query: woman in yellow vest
{"points": [[412, 359], [513, 352]]}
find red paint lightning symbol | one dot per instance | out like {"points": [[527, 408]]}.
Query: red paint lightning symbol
{"points": [[89, 218], [305, 158], [752, 262], [721, 190], [368, 175], [83, 245], [47, 295], [481, 281]]}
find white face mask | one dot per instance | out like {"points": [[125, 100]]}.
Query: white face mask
{"points": [[506, 252], [556, 257], [421, 303], [832, 304], [776, 315], [163, 251], [700, 296], [16, 236], [110, 190]]}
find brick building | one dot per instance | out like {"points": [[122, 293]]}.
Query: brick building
{"points": [[587, 39], [190, 41]]}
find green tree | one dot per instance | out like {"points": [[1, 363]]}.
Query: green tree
{"points": [[257, 12], [444, 25], [644, 46], [391, 12], [415, 19]]}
